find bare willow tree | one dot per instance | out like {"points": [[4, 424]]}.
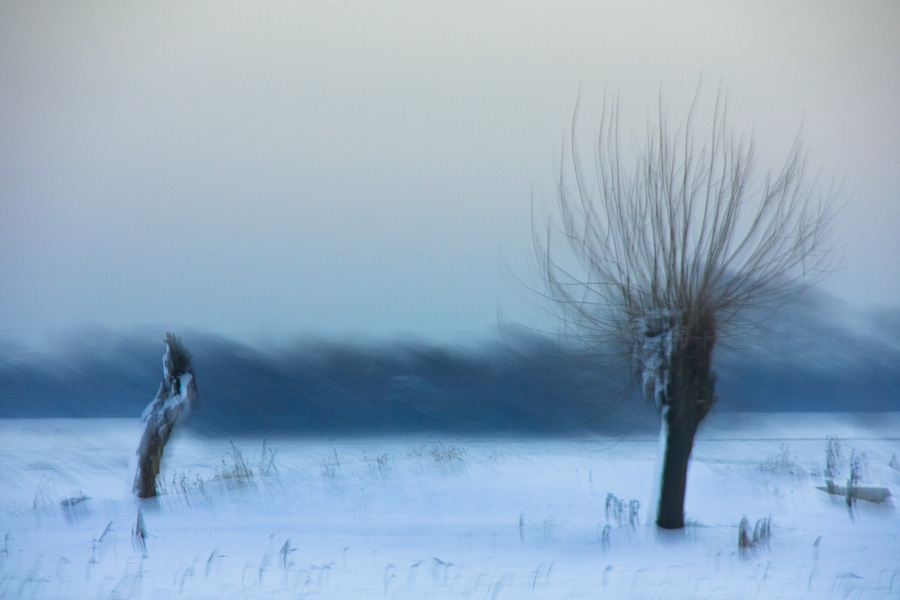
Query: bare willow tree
{"points": [[674, 247]]}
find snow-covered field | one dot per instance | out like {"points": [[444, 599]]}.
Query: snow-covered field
{"points": [[429, 517]]}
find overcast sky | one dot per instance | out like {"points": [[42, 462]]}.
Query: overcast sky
{"points": [[269, 169]]}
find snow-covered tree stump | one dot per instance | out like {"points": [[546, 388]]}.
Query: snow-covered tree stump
{"points": [[176, 398], [856, 492]]}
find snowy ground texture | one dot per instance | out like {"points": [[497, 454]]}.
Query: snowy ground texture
{"points": [[423, 517]]}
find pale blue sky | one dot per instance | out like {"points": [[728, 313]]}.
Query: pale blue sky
{"points": [[269, 169]]}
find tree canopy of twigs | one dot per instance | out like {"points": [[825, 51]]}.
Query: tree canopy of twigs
{"points": [[686, 225]]}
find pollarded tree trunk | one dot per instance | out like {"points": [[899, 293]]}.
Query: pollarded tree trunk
{"points": [[673, 484], [176, 398], [688, 398]]}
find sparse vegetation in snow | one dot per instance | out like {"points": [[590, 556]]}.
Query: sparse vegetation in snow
{"points": [[833, 457], [406, 518]]}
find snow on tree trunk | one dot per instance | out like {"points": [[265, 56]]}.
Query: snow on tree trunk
{"points": [[673, 354], [176, 398], [653, 504]]}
